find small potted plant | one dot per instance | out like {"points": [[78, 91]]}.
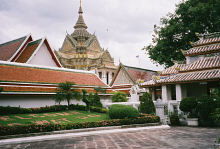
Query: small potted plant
{"points": [[188, 106]]}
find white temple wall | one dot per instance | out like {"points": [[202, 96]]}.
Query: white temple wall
{"points": [[42, 57], [35, 101]]}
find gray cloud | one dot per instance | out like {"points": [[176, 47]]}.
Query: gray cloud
{"points": [[124, 27]]}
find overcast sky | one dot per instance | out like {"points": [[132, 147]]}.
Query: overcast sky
{"points": [[123, 27]]}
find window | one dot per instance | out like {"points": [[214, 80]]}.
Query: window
{"points": [[107, 78], [113, 74], [100, 75]]}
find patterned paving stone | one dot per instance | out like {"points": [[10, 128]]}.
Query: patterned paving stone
{"points": [[174, 138]]}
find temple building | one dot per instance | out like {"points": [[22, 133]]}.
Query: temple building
{"points": [[29, 51], [81, 50], [127, 76], [198, 76]]}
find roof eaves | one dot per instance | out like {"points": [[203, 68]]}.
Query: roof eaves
{"points": [[27, 37], [43, 67]]}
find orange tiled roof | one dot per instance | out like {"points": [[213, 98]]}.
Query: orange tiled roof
{"points": [[8, 49], [204, 63], [15, 73], [172, 70], [28, 51], [193, 76], [139, 73], [213, 48], [208, 43], [207, 40]]}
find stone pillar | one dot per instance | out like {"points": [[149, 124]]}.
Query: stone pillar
{"points": [[153, 94], [166, 93], [180, 92], [104, 76], [110, 77], [148, 90], [159, 105]]}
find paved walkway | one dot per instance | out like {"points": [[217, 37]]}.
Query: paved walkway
{"points": [[173, 138]]}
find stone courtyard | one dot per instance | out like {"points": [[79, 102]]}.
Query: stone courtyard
{"points": [[173, 138]]}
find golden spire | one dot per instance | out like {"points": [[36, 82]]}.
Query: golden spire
{"points": [[80, 22]]}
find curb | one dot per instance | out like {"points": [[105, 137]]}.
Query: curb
{"points": [[79, 132]]}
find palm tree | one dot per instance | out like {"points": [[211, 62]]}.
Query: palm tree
{"points": [[65, 92]]}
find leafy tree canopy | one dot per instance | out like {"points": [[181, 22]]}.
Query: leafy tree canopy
{"points": [[177, 30], [65, 92]]}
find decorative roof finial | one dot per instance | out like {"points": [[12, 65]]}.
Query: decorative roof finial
{"points": [[80, 7], [80, 22]]}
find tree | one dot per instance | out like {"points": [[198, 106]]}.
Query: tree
{"points": [[147, 104], [85, 99], [65, 92], [177, 30], [96, 100]]}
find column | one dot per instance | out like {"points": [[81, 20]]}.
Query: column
{"points": [[104, 76], [166, 93], [153, 94], [110, 77], [180, 92]]}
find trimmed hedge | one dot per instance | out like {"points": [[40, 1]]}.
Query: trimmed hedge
{"points": [[119, 97], [18, 110], [33, 128], [119, 111]]}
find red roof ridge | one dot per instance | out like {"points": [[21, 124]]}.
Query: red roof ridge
{"points": [[44, 67]]}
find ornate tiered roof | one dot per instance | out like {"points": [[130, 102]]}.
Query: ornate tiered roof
{"points": [[205, 68], [81, 50], [207, 44], [206, 75], [202, 64], [80, 27], [172, 70]]}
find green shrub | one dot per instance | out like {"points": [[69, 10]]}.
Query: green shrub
{"points": [[119, 97], [147, 104], [216, 116], [95, 100], [174, 119], [118, 111], [206, 106], [18, 110], [188, 105], [33, 128]]}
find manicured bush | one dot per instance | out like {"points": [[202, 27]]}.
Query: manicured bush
{"points": [[33, 128], [18, 110], [216, 116], [146, 104], [174, 119], [188, 105], [118, 111], [119, 97], [206, 106]]}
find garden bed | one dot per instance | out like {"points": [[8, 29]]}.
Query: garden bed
{"points": [[56, 118]]}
